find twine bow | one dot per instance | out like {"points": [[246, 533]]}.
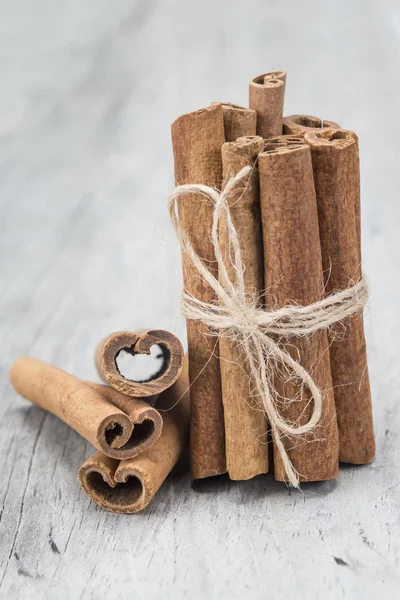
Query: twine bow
{"points": [[259, 331]]}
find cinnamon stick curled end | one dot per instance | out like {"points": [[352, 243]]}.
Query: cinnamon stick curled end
{"points": [[302, 124], [127, 486], [131, 430], [112, 422], [280, 142], [279, 74], [116, 490], [140, 342], [331, 135]]}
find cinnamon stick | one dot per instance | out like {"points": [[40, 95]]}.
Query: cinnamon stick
{"points": [[266, 97], [118, 426], [245, 422], [128, 486], [335, 158], [238, 121], [197, 139], [140, 342], [293, 274], [302, 124]]}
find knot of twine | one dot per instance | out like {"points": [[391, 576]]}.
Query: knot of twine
{"points": [[259, 331]]}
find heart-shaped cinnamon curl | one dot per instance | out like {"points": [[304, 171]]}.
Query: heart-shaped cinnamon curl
{"points": [[127, 486], [140, 342]]}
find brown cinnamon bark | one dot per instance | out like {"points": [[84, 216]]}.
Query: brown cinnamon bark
{"points": [[118, 426], [266, 97], [197, 139], [278, 74], [140, 342], [273, 143], [302, 124], [128, 486], [238, 121], [293, 274], [245, 422], [335, 158]]}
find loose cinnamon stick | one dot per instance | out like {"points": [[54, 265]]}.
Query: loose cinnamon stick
{"points": [[118, 426], [245, 422], [140, 342], [197, 139], [238, 121], [266, 97], [293, 274], [335, 158], [128, 486], [302, 124]]}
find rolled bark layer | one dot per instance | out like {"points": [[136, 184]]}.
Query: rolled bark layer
{"points": [[128, 486], [197, 139], [293, 274], [245, 422], [284, 141], [335, 158], [279, 74], [238, 121], [118, 426], [140, 342], [266, 97], [302, 124]]}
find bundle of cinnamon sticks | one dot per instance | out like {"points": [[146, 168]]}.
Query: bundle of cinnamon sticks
{"points": [[139, 429], [267, 210], [296, 218]]}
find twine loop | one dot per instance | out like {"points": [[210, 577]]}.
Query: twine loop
{"points": [[238, 316]]}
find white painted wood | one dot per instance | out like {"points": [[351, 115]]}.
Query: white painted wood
{"points": [[88, 91]]}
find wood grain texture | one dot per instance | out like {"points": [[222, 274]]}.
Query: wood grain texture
{"points": [[85, 158]]}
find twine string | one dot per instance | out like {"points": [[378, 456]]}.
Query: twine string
{"points": [[258, 331]]}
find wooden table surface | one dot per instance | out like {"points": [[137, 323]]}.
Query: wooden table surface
{"points": [[88, 91]]}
